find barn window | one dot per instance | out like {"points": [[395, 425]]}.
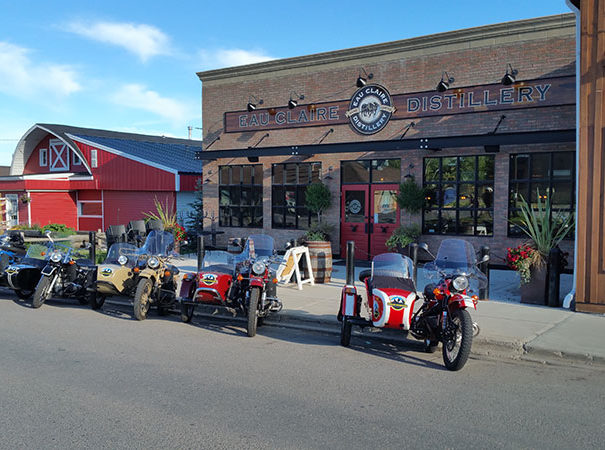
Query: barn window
{"points": [[93, 158], [75, 159], [241, 196], [43, 157]]}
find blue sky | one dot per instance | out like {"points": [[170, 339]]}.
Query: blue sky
{"points": [[130, 66]]}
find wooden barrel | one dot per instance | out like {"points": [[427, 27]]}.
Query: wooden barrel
{"points": [[321, 260]]}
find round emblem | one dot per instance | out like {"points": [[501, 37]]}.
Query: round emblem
{"points": [[377, 310], [106, 271], [370, 109], [354, 206], [209, 279], [397, 302]]}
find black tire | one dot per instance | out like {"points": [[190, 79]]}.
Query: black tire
{"points": [[253, 311], [42, 292], [95, 300], [83, 300], [187, 312], [260, 322], [456, 351], [24, 294], [345, 331], [142, 298], [163, 311]]}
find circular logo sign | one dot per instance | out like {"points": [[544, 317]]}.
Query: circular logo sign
{"points": [[397, 303], [209, 279], [354, 206], [370, 109], [106, 271]]}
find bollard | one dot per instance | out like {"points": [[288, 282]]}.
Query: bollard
{"points": [[200, 252], [554, 272], [92, 238], [414, 248], [484, 267], [350, 280]]}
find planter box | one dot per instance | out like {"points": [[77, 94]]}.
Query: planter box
{"points": [[535, 292]]}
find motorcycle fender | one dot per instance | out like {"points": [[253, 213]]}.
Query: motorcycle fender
{"points": [[461, 301], [257, 282], [349, 301], [187, 285], [380, 308]]}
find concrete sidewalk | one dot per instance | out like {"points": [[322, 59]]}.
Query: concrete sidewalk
{"points": [[508, 329]]}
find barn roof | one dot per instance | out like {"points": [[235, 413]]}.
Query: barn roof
{"points": [[171, 153]]}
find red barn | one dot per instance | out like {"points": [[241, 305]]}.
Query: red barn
{"points": [[89, 179]]}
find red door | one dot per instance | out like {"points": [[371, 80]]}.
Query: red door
{"points": [[369, 217], [354, 219], [384, 217]]}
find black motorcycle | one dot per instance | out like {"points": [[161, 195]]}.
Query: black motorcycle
{"points": [[68, 274], [22, 277]]}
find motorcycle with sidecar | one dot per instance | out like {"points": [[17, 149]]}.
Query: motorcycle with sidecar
{"points": [[244, 282], [156, 282], [438, 315], [23, 276]]}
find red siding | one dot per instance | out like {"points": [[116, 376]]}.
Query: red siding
{"points": [[123, 206], [33, 163], [90, 195], [188, 182], [91, 224], [54, 207], [119, 173]]}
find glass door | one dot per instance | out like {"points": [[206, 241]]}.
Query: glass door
{"points": [[385, 216], [355, 220]]}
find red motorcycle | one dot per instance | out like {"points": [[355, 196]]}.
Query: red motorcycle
{"points": [[244, 282], [438, 315]]}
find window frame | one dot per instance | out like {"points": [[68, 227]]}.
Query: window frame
{"points": [[94, 163], [43, 157], [236, 210]]}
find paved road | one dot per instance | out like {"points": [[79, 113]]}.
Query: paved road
{"points": [[72, 377]]}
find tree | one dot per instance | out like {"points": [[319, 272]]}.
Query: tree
{"points": [[195, 218], [317, 199]]}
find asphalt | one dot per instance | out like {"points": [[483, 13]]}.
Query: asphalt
{"points": [[508, 329]]}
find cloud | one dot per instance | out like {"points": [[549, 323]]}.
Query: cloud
{"points": [[145, 41], [23, 76], [139, 97], [216, 59]]}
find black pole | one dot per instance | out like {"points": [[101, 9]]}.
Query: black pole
{"points": [[92, 238], [484, 267], [350, 263], [200, 252], [554, 271], [414, 248]]}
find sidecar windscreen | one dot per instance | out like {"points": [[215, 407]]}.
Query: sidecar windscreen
{"points": [[131, 252], [218, 261], [158, 243], [388, 282]]}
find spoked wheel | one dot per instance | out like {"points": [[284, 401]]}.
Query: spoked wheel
{"points": [[95, 300], [142, 298], [42, 292], [24, 294], [187, 312], [458, 339], [345, 331], [253, 311]]}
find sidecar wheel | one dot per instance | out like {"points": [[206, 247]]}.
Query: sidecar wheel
{"points": [[24, 294], [42, 291], [187, 312], [141, 298], [253, 311], [345, 332], [95, 300], [457, 348]]}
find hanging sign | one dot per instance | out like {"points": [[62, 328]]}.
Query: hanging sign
{"points": [[370, 109]]}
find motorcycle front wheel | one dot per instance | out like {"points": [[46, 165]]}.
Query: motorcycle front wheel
{"points": [[42, 292], [187, 312], [457, 343], [253, 311], [141, 298], [24, 294], [345, 332], [95, 300]]}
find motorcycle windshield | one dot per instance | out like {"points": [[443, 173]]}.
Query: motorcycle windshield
{"points": [[158, 243], [218, 261], [39, 251], [131, 252], [257, 246], [455, 257], [392, 265]]}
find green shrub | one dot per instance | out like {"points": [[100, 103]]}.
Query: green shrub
{"points": [[58, 228], [403, 236], [410, 196]]}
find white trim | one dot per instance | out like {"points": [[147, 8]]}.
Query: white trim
{"points": [[75, 159], [59, 152], [65, 176], [122, 154], [94, 161], [12, 200], [51, 190], [77, 150], [29, 209], [103, 210], [177, 182]]}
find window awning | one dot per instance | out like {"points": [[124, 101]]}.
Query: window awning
{"points": [[430, 143]]}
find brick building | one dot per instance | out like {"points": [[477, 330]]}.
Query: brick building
{"points": [[500, 124]]}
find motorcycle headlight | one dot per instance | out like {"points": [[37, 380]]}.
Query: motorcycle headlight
{"points": [[153, 262], [258, 268], [122, 259], [56, 257], [460, 283]]}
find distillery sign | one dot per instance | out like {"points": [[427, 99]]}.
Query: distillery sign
{"points": [[371, 107]]}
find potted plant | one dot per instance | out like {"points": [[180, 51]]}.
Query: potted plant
{"points": [[402, 237], [546, 229], [167, 216], [25, 199], [318, 198]]}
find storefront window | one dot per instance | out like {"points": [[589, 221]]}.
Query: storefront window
{"points": [[289, 182], [374, 171], [241, 196], [540, 176], [459, 193]]}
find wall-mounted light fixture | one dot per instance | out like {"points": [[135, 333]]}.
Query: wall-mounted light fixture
{"points": [[361, 81], [293, 103], [252, 106], [445, 82], [329, 175], [409, 175], [510, 76]]}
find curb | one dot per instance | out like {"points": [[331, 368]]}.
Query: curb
{"points": [[483, 347]]}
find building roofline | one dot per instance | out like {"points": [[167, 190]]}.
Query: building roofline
{"points": [[516, 31]]}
